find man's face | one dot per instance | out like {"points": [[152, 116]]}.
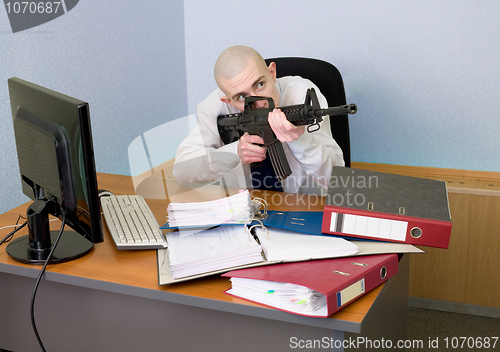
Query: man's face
{"points": [[254, 80]]}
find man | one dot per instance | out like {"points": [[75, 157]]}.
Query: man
{"points": [[240, 72]]}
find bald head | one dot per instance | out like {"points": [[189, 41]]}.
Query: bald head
{"points": [[234, 60]]}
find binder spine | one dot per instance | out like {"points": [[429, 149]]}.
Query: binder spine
{"points": [[350, 293], [385, 227], [367, 278]]}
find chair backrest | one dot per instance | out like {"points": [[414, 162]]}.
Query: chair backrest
{"points": [[329, 80]]}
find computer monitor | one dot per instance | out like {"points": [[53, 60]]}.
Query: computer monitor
{"points": [[56, 163]]}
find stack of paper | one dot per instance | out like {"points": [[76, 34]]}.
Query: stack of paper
{"points": [[284, 245], [192, 253], [236, 209], [284, 296]]}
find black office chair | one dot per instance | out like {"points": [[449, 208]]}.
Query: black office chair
{"points": [[329, 81]]}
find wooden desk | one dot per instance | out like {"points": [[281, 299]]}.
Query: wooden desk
{"points": [[109, 300]]}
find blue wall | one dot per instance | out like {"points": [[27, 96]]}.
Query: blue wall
{"points": [[425, 74], [125, 58]]}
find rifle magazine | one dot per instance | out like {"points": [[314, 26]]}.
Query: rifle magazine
{"points": [[279, 161]]}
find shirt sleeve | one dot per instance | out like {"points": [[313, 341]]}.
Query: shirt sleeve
{"points": [[202, 157], [316, 152]]}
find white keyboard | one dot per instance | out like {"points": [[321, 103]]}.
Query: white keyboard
{"points": [[131, 223]]}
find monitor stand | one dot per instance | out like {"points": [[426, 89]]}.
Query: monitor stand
{"points": [[35, 247]]}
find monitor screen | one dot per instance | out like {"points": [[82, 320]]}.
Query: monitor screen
{"points": [[56, 163]]}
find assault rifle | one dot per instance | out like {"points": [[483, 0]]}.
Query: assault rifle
{"points": [[254, 121]]}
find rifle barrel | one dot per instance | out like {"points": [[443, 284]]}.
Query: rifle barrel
{"points": [[336, 110]]}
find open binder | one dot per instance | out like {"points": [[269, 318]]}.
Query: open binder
{"points": [[229, 252]]}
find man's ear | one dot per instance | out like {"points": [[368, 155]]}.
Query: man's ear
{"points": [[226, 100], [272, 70]]}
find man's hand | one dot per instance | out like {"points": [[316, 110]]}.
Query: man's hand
{"points": [[284, 130], [248, 150]]}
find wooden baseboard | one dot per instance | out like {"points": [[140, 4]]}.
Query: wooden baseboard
{"points": [[485, 183], [454, 307], [434, 172]]}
